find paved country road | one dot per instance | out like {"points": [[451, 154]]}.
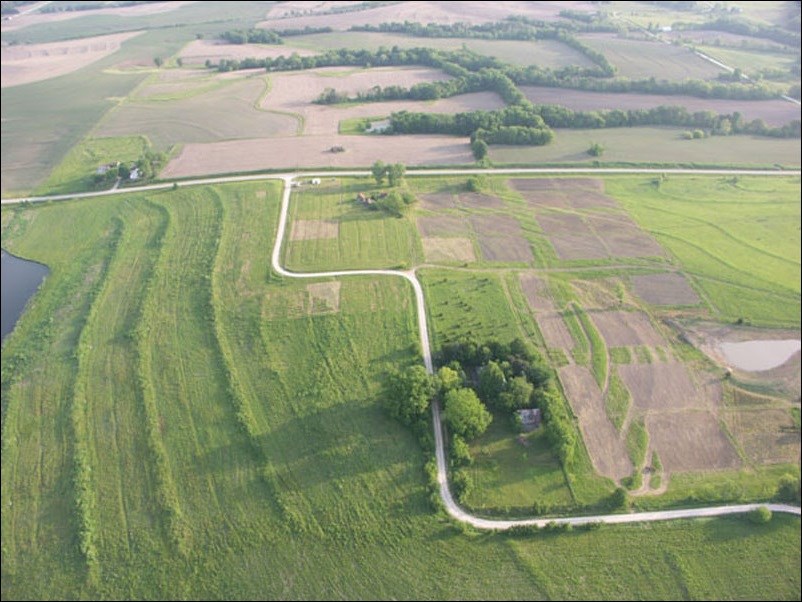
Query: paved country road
{"points": [[451, 506]]}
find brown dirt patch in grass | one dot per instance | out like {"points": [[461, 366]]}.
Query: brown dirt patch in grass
{"points": [[665, 289], [477, 200], [589, 199], [667, 386], [624, 238], [560, 184], [199, 51], [260, 194], [621, 328], [442, 226], [554, 331], [690, 440], [571, 237], [495, 225], [509, 248], [313, 151], [536, 291], [324, 297], [314, 229], [607, 452], [438, 200], [766, 435], [26, 63], [448, 249]]}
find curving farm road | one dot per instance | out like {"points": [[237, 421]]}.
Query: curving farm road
{"points": [[442, 475], [409, 275]]}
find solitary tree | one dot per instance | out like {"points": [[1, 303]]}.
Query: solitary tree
{"points": [[379, 169], [158, 61], [465, 415], [596, 150], [395, 173], [408, 393]]}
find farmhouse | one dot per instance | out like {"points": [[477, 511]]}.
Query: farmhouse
{"points": [[134, 175], [530, 418]]}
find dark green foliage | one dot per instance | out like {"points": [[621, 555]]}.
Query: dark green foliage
{"points": [[620, 499], [789, 489], [464, 414], [251, 36], [459, 452], [407, 394], [395, 173], [479, 150], [379, 171], [518, 394], [449, 378], [596, 150], [760, 516], [492, 383]]}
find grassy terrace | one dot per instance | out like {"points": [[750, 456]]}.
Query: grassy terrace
{"points": [[229, 427]]}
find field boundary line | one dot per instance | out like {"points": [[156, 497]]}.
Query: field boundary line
{"points": [[453, 509]]}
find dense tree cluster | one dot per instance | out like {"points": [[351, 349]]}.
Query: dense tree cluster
{"points": [[789, 37], [251, 36]]}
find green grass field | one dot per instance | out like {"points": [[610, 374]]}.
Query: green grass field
{"points": [[737, 237], [75, 172], [751, 61], [544, 53], [366, 238], [653, 145], [232, 451], [641, 59]]}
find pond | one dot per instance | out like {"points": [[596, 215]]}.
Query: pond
{"points": [[19, 281], [755, 356]]}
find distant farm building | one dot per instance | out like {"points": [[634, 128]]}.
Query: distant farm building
{"points": [[530, 418], [134, 175], [315, 181], [103, 169]]}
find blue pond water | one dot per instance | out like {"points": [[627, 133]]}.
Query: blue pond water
{"points": [[20, 279]]}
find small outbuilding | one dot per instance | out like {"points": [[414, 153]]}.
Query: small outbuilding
{"points": [[530, 418]]}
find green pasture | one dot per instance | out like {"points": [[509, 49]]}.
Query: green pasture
{"points": [[232, 451], [642, 59], [660, 145], [751, 61], [736, 236], [543, 53], [368, 238]]}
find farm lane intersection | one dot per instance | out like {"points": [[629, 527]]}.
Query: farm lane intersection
{"points": [[453, 509]]}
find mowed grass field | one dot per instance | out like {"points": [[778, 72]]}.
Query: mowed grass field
{"points": [[358, 237], [642, 59], [230, 452], [544, 53], [737, 236], [661, 145]]}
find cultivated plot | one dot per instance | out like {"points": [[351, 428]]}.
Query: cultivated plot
{"points": [[665, 289], [690, 440]]}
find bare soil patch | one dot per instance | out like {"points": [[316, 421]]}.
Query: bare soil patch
{"points": [[690, 440], [314, 229], [324, 297], [711, 37], [536, 292], [448, 249], [509, 248], [623, 237], [199, 51], [773, 112], [314, 151], [784, 380], [28, 63], [495, 225], [431, 12], [559, 184], [571, 237], [664, 289], [438, 200], [607, 451], [554, 331], [766, 435], [477, 200], [621, 328], [442, 226], [667, 386]]}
